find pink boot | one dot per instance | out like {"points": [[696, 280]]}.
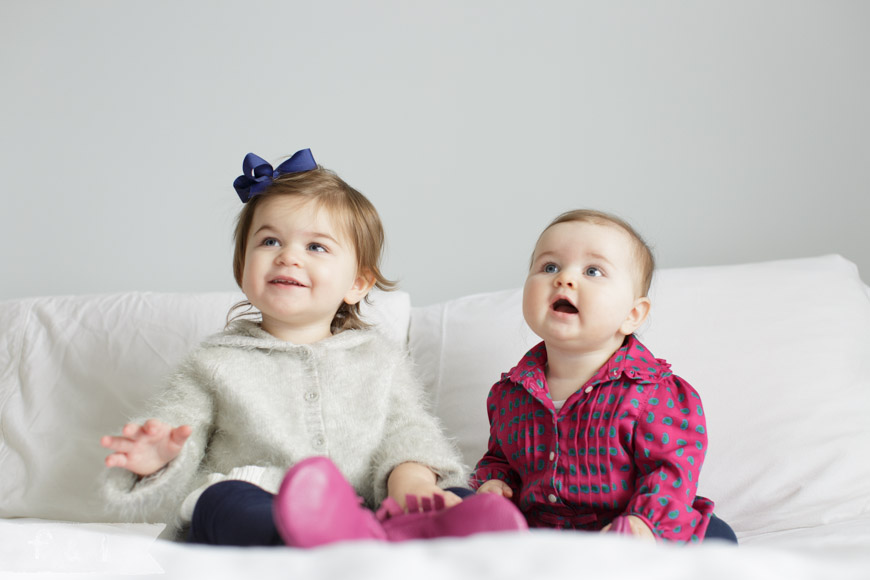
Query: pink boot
{"points": [[476, 514], [316, 505]]}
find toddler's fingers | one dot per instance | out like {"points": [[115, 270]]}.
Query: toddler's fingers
{"points": [[116, 460], [130, 430], [116, 443], [180, 434], [152, 427]]}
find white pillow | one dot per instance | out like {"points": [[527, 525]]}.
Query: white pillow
{"points": [[779, 352], [75, 368]]}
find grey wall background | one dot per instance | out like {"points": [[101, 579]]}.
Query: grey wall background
{"points": [[725, 131]]}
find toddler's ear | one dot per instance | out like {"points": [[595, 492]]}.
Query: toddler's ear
{"points": [[636, 316], [361, 286]]}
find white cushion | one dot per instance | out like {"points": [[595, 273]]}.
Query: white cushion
{"points": [[779, 352], [75, 368]]}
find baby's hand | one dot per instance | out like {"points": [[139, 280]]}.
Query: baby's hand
{"points": [[144, 449], [638, 528], [496, 486]]}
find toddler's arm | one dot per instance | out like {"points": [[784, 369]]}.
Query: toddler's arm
{"points": [[410, 434], [145, 449]]}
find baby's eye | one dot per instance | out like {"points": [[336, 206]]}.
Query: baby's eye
{"points": [[315, 247], [271, 242], [593, 272], [551, 268]]}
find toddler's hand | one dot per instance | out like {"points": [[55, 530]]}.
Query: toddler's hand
{"points": [[496, 486], [144, 449], [418, 480]]}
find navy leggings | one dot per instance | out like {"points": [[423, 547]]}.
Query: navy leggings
{"points": [[238, 513], [234, 513]]}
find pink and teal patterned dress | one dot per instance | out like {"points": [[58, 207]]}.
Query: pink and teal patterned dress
{"points": [[631, 441]]}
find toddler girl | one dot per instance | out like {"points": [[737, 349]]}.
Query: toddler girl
{"points": [[590, 431], [306, 383]]}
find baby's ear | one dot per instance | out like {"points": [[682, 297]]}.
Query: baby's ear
{"points": [[636, 316], [361, 286]]}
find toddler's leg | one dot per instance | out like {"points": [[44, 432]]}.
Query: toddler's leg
{"points": [[234, 513], [462, 492]]}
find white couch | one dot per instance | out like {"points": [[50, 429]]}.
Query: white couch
{"points": [[779, 351]]}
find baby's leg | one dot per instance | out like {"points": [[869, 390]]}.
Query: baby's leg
{"points": [[234, 513], [718, 529]]}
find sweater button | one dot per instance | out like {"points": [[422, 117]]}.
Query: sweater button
{"points": [[318, 441], [312, 396]]}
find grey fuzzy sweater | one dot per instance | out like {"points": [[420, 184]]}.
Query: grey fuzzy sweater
{"points": [[258, 405]]}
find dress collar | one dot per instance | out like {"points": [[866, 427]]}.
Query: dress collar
{"points": [[632, 360]]}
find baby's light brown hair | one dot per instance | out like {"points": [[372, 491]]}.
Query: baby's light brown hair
{"points": [[642, 252]]}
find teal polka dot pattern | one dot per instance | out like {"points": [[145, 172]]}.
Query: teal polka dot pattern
{"points": [[634, 444]]}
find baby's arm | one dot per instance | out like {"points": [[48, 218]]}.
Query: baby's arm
{"points": [[494, 472], [670, 441], [145, 449]]}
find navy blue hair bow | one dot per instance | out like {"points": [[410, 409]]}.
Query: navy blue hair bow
{"points": [[257, 174]]}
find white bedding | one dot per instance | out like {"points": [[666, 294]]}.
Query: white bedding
{"points": [[779, 351], [35, 548]]}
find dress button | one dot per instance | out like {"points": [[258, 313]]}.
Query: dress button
{"points": [[552, 498], [589, 389], [552, 455]]}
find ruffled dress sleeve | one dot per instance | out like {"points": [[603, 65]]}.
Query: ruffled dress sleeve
{"points": [[670, 442], [494, 464]]}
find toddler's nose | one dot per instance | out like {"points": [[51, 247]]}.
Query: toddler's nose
{"points": [[288, 257]]}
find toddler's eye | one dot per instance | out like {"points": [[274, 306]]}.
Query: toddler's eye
{"points": [[271, 242], [551, 268], [593, 272], [315, 247]]}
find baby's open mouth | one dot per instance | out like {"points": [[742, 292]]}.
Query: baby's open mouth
{"points": [[562, 305]]}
